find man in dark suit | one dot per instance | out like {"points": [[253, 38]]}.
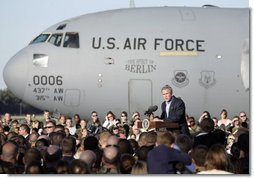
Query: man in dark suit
{"points": [[173, 109]]}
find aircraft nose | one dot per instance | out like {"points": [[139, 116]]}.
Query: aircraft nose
{"points": [[15, 73]]}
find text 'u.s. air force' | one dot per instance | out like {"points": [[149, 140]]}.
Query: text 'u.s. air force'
{"points": [[140, 43]]}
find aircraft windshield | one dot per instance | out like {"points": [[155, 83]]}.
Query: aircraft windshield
{"points": [[40, 38], [71, 40], [56, 39]]}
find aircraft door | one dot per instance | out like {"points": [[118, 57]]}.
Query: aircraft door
{"points": [[140, 95]]}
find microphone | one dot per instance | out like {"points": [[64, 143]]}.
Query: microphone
{"points": [[151, 109]]}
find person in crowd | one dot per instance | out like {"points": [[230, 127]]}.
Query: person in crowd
{"points": [[52, 156], [109, 120], [38, 125], [6, 121], [67, 131], [147, 139], [220, 135], [132, 136], [216, 161], [198, 155], [142, 139], [32, 138], [34, 167], [42, 143], [244, 119], [46, 117], [14, 126], [103, 139], [173, 109], [56, 138], [243, 145], [142, 152], [8, 159], [236, 123], [2, 129], [205, 114], [69, 125], [163, 158], [113, 141], [3, 139], [206, 136], [62, 167], [82, 133], [94, 125], [125, 163], [24, 130], [9, 136], [184, 144], [93, 120], [31, 155], [110, 161], [125, 123], [139, 168], [224, 121], [230, 142], [89, 157], [194, 128], [92, 143], [135, 116], [135, 131], [50, 126], [83, 124], [76, 121], [118, 131], [29, 119], [107, 151], [215, 120], [68, 146], [59, 128], [125, 146], [62, 120], [78, 167]]}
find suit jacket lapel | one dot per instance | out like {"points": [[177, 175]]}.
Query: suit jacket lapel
{"points": [[171, 106]]}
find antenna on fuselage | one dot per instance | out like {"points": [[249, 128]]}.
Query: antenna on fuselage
{"points": [[132, 4]]}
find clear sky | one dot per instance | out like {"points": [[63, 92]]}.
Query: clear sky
{"points": [[21, 21]]}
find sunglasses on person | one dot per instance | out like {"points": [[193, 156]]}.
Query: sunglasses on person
{"points": [[48, 127], [112, 145]]}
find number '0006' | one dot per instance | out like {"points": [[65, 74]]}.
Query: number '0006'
{"points": [[47, 80]]}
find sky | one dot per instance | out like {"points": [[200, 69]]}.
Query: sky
{"points": [[22, 21]]}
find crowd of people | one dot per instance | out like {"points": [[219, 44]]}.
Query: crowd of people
{"points": [[71, 145]]}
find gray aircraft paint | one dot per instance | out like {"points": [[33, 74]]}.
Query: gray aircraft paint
{"points": [[125, 56]]}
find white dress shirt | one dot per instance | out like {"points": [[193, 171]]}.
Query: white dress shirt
{"points": [[167, 107]]}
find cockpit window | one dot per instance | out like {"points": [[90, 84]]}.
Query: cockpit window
{"points": [[61, 27], [71, 40], [40, 38], [56, 39]]}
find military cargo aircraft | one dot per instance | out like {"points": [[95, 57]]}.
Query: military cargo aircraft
{"points": [[120, 59]]}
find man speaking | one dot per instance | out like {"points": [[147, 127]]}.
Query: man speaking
{"points": [[173, 109]]}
